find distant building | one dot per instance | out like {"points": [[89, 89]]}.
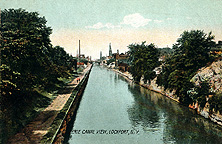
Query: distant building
{"points": [[123, 67], [120, 60], [88, 58], [109, 57], [219, 45], [80, 63], [123, 58], [217, 48], [81, 56]]}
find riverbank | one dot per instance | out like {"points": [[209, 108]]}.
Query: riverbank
{"points": [[45, 127], [152, 86], [215, 117]]}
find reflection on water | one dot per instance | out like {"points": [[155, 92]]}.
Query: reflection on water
{"points": [[179, 124], [112, 103]]}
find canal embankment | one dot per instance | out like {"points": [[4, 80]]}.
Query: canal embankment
{"points": [[50, 125], [212, 73], [153, 86], [59, 126]]}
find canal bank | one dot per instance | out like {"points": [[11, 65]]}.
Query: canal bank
{"points": [[59, 126], [215, 117], [50, 124], [153, 86]]}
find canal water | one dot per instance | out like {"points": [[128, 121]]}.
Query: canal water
{"points": [[115, 111]]}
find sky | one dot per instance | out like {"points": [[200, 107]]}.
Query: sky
{"points": [[96, 23]]}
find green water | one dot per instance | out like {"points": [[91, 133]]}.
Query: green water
{"points": [[115, 111]]}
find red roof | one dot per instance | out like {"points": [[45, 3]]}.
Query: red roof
{"points": [[80, 63]]}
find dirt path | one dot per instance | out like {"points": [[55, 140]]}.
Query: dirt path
{"points": [[35, 130]]}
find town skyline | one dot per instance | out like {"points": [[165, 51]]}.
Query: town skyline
{"points": [[99, 22]]}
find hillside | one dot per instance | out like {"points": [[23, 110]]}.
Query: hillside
{"points": [[213, 74]]}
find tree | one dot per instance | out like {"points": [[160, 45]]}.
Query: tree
{"points": [[27, 66], [191, 52], [25, 45], [143, 59], [61, 59], [85, 61], [165, 51], [200, 93], [216, 103], [194, 46]]}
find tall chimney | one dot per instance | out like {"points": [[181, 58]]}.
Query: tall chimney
{"points": [[79, 51], [79, 48]]}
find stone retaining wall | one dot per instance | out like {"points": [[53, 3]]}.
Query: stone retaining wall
{"points": [[59, 127]]}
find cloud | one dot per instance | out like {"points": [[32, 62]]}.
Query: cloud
{"points": [[169, 19], [109, 25], [188, 18], [135, 20], [100, 25], [158, 21]]}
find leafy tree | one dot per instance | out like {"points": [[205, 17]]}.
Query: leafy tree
{"points": [[194, 46], [28, 62], [199, 93], [216, 102], [191, 52], [165, 51], [62, 60], [85, 61], [25, 44], [143, 59]]}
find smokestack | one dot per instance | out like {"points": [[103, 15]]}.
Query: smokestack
{"points": [[79, 48]]}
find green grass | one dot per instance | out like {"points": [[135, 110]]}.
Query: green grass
{"points": [[49, 137]]}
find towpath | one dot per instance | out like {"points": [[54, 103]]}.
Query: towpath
{"points": [[37, 128]]}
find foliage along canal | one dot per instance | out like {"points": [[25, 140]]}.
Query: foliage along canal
{"points": [[114, 110]]}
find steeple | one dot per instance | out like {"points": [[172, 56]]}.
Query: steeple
{"points": [[110, 50]]}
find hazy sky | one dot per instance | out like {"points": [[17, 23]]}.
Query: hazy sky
{"points": [[122, 22]]}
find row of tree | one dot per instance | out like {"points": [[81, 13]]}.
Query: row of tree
{"points": [[190, 52], [28, 62], [143, 59]]}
